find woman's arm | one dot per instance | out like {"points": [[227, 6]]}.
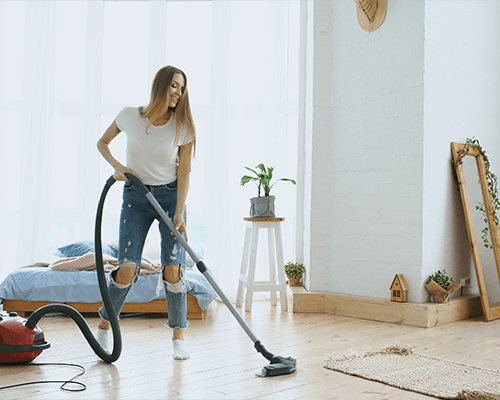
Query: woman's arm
{"points": [[183, 172], [103, 146]]}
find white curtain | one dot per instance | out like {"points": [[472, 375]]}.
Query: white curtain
{"points": [[241, 62], [250, 121], [27, 130]]}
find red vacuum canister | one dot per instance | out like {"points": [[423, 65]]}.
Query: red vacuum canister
{"points": [[19, 344]]}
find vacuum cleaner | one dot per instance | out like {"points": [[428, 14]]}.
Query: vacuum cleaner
{"points": [[22, 340]]}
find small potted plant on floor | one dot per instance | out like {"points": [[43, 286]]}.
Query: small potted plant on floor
{"points": [[262, 206], [440, 286], [294, 272]]}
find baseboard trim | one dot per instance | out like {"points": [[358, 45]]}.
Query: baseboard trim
{"points": [[425, 315]]}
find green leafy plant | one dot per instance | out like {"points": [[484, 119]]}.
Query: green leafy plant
{"points": [[484, 232], [263, 177], [492, 186], [441, 279], [294, 270]]}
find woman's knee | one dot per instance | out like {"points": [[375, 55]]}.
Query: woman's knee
{"points": [[125, 273], [172, 273]]}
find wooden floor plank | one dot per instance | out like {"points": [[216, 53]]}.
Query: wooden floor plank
{"points": [[224, 363]]}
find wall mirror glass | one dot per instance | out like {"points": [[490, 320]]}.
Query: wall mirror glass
{"points": [[473, 184]]}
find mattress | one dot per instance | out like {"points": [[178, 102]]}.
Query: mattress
{"points": [[46, 284]]}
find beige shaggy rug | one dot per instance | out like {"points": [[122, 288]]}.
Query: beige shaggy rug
{"points": [[399, 366]]}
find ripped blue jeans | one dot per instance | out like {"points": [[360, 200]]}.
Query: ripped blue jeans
{"points": [[136, 217]]}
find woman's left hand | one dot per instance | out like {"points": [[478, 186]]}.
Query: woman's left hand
{"points": [[180, 225]]}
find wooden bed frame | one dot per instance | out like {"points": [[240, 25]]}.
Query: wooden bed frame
{"points": [[23, 307]]}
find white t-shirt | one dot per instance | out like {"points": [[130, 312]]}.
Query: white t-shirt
{"points": [[151, 156]]}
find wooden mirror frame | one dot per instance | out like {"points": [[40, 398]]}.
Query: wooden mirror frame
{"points": [[459, 151]]}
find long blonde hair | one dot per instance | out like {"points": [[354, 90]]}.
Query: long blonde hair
{"points": [[158, 104]]}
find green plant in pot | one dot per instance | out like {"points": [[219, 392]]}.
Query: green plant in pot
{"points": [[262, 206], [294, 272], [441, 286]]}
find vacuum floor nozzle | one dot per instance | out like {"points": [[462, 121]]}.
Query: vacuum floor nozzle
{"points": [[285, 367]]}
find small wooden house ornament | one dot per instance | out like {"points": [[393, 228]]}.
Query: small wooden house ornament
{"points": [[399, 289]]}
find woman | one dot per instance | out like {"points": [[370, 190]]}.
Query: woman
{"points": [[160, 143]]}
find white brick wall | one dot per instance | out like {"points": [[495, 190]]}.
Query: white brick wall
{"points": [[380, 112]]}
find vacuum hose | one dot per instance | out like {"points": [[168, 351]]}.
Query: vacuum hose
{"points": [[103, 287]]}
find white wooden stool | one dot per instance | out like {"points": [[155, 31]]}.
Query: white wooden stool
{"points": [[276, 282]]}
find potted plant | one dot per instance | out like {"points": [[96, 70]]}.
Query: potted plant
{"points": [[294, 272], [262, 206], [441, 286]]}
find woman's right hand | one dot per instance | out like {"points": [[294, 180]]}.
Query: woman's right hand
{"points": [[120, 171]]}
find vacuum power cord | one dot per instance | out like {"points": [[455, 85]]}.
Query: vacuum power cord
{"points": [[63, 387]]}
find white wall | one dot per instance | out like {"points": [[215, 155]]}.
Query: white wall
{"points": [[379, 120]]}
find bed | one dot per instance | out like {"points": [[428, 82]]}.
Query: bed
{"points": [[59, 281]]}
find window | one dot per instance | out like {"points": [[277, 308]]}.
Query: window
{"points": [[64, 77]]}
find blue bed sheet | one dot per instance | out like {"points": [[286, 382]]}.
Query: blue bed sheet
{"points": [[45, 284]]}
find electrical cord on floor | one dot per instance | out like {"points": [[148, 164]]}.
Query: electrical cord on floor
{"points": [[63, 387]]}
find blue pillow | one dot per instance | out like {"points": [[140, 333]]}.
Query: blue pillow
{"points": [[81, 247]]}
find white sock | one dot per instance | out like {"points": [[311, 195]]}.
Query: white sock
{"points": [[180, 350], [103, 337]]}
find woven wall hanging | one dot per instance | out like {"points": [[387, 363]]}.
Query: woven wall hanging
{"points": [[371, 13]]}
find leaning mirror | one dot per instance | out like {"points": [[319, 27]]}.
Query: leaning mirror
{"points": [[481, 224]]}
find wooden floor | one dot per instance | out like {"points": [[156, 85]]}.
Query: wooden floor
{"points": [[224, 364]]}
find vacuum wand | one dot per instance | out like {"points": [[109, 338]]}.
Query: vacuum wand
{"points": [[201, 265], [279, 365]]}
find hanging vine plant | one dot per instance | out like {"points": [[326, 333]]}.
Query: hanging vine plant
{"points": [[492, 185]]}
